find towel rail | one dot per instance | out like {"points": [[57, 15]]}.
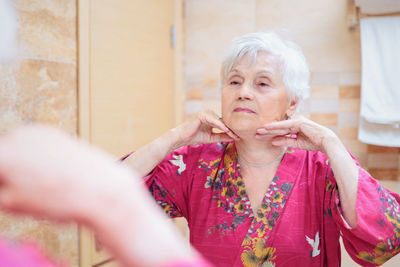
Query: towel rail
{"points": [[354, 15]]}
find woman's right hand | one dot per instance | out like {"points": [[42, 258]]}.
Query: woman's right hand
{"points": [[200, 130]]}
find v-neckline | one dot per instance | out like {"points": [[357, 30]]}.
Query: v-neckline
{"points": [[263, 223], [267, 193]]}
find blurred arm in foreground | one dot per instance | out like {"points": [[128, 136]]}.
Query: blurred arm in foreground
{"points": [[44, 172]]}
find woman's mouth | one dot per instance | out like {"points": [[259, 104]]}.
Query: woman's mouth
{"points": [[245, 110]]}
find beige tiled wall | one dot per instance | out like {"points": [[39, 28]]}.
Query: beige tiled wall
{"points": [[333, 53], [41, 86], [332, 50]]}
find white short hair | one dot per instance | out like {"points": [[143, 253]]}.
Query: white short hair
{"points": [[292, 63]]}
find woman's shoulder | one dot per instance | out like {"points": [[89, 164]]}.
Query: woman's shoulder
{"points": [[309, 157], [313, 168], [205, 151]]}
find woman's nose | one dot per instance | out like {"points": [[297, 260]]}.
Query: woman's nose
{"points": [[245, 92]]}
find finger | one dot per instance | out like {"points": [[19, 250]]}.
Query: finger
{"points": [[214, 121], [274, 132], [230, 133], [263, 137], [284, 141], [292, 125], [270, 136], [233, 135]]}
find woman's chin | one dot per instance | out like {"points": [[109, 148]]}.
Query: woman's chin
{"points": [[243, 129], [244, 132]]}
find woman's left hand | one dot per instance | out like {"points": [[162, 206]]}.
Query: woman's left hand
{"points": [[299, 133]]}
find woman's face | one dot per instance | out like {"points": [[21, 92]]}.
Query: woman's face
{"points": [[254, 94]]}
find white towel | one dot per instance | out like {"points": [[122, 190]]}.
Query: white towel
{"points": [[379, 134], [380, 87], [380, 46]]}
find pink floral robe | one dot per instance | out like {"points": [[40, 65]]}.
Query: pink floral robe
{"points": [[298, 222]]}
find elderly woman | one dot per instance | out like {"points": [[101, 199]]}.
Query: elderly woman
{"points": [[268, 190]]}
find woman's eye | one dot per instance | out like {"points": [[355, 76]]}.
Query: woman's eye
{"points": [[234, 83], [263, 84]]}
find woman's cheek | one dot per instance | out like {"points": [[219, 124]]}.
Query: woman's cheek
{"points": [[268, 118]]}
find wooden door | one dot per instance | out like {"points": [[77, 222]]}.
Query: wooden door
{"points": [[129, 79], [131, 72]]}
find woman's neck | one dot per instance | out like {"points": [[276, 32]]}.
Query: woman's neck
{"points": [[257, 151]]}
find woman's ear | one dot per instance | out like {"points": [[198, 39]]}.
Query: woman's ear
{"points": [[292, 107]]}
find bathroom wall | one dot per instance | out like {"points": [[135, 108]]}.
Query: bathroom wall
{"points": [[333, 53], [332, 50], [41, 86]]}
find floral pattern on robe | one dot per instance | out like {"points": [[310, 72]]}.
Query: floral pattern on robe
{"points": [[299, 219]]}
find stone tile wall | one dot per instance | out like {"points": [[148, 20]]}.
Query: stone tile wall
{"points": [[41, 86]]}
